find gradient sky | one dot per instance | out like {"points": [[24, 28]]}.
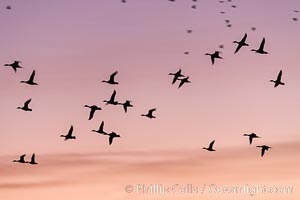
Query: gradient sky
{"points": [[74, 45]]}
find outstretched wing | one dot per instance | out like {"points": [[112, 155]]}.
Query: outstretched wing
{"points": [[263, 152], [32, 76], [112, 98], [111, 139], [92, 112], [244, 38], [70, 131], [22, 158], [33, 158], [181, 83], [125, 108], [250, 139], [112, 76], [211, 144], [238, 48], [262, 44], [151, 111], [212, 59], [175, 78], [279, 76], [27, 103], [101, 128]]}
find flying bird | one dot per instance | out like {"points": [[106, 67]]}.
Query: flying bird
{"points": [[183, 80], [210, 148], [112, 79], [21, 160], [25, 107], [251, 136], [31, 79], [32, 161], [176, 75], [101, 129], [112, 99], [278, 80], [126, 105], [93, 110], [15, 65], [263, 149], [150, 113], [241, 43], [213, 56], [69, 135], [261, 48], [112, 135]]}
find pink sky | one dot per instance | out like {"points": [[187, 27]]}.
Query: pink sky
{"points": [[74, 45]]}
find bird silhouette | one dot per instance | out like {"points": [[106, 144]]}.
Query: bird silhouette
{"points": [[251, 136], [112, 99], [213, 56], [263, 149], [112, 79], [31, 79], [21, 160], [210, 148], [101, 129], [278, 80], [184, 80], [176, 75], [25, 107], [261, 48], [126, 105], [112, 135], [32, 161], [69, 135], [15, 65], [150, 113], [93, 109], [241, 43]]}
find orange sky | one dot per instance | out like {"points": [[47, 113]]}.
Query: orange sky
{"points": [[73, 45]]}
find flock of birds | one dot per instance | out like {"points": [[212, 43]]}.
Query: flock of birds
{"points": [[177, 76]]}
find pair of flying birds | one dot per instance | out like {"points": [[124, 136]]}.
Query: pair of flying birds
{"points": [[22, 159], [179, 76], [16, 65]]}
